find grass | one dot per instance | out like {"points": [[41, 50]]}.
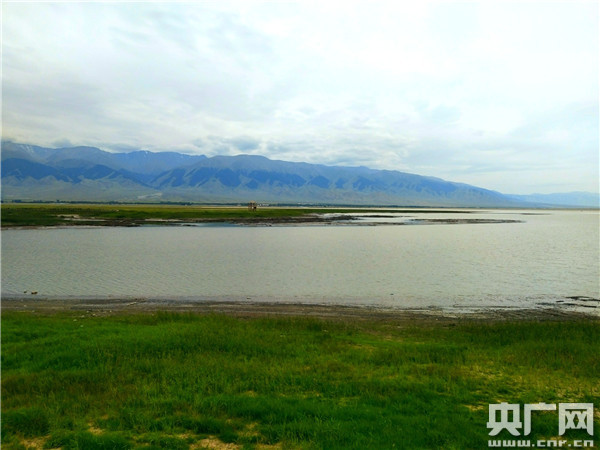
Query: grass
{"points": [[54, 214], [172, 380], [14, 214]]}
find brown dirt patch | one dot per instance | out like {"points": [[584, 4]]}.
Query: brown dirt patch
{"points": [[398, 317]]}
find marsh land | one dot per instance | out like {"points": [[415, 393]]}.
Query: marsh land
{"points": [[52, 215]]}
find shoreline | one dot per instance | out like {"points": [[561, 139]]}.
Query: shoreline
{"points": [[261, 222], [258, 309], [34, 216]]}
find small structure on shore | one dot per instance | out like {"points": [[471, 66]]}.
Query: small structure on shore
{"points": [[252, 206]]}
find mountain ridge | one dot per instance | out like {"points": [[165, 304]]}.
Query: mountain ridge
{"points": [[90, 174]]}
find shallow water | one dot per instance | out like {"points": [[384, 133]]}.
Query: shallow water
{"points": [[550, 256]]}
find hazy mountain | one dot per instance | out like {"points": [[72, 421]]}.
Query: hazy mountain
{"points": [[247, 177], [25, 151], [568, 199], [143, 162], [88, 173]]}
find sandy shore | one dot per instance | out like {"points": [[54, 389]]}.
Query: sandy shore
{"points": [[101, 307]]}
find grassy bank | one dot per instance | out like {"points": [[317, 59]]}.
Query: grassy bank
{"points": [[92, 214], [44, 215], [166, 380]]}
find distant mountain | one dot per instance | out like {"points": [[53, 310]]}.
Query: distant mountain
{"points": [[90, 174], [143, 162], [568, 199], [247, 177]]}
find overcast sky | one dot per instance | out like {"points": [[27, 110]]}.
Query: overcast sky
{"points": [[499, 94]]}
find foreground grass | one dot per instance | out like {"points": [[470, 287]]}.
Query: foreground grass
{"points": [[170, 380]]}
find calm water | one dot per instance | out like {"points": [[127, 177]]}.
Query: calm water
{"points": [[550, 256]]}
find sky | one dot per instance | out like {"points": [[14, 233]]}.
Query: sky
{"points": [[498, 94]]}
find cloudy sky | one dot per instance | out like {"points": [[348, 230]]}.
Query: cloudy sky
{"points": [[500, 94]]}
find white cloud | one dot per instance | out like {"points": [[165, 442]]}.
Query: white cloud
{"points": [[497, 93]]}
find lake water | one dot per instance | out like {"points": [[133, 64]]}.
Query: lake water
{"points": [[550, 256]]}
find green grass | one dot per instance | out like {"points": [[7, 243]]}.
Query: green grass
{"points": [[170, 380], [62, 214]]}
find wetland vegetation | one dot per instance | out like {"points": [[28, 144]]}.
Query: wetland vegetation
{"points": [[58, 214], [24, 215]]}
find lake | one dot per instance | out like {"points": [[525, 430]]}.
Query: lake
{"points": [[548, 258]]}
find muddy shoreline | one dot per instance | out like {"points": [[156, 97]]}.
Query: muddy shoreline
{"points": [[104, 307], [316, 219]]}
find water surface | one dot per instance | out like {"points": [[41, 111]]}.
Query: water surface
{"points": [[542, 261]]}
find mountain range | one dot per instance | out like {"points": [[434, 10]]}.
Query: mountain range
{"points": [[33, 173]]}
